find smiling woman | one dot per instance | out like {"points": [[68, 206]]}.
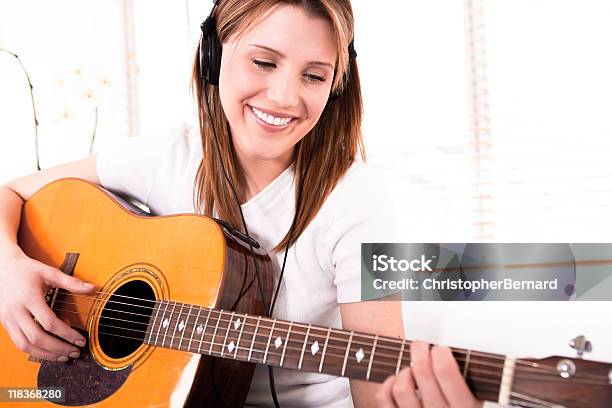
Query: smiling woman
{"points": [[282, 128]]}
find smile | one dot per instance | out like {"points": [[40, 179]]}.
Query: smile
{"points": [[279, 122]]}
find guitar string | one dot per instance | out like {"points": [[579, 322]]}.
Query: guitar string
{"points": [[528, 404], [320, 337], [288, 346], [393, 358], [496, 374], [277, 329], [364, 335], [533, 400], [376, 369], [221, 313], [203, 340], [305, 326]]}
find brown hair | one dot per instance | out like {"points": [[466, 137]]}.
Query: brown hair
{"points": [[332, 145]]}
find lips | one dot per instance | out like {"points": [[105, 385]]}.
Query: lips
{"points": [[271, 121]]}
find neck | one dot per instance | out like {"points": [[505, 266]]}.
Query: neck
{"points": [[258, 174], [299, 346]]}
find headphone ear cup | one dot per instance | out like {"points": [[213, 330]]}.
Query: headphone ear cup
{"points": [[210, 52]]}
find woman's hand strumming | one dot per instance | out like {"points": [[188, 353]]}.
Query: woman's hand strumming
{"points": [[23, 283]]}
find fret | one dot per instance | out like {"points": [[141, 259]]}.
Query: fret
{"points": [[314, 337], [240, 334], [185, 327], [152, 325], [269, 339], [229, 325], [348, 347], [357, 360], [212, 340], [399, 358], [304, 347], [372, 357], [499, 377], [324, 349], [254, 336], [286, 341], [204, 330], [163, 318], [194, 328], [167, 324], [177, 324], [467, 363]]}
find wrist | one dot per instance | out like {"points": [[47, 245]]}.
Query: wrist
{"points": [[10, 250]]}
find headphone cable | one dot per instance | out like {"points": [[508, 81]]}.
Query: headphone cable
{"points": [[249, 239]]}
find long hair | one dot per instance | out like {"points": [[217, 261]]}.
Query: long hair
{"points": [[331, 146]]}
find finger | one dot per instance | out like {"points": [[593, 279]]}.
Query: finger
{"points": [[450, 379], [383, 396], [424, 377], [404, 390], [38, 338], [51, 323], [23, 344], [56, 278]]}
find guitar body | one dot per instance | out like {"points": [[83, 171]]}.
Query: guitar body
{"points": [[187, 258]]}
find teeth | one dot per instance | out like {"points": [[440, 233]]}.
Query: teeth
{"points": [[269, 119]]}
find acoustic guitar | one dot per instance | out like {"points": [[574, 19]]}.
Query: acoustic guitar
{"points": [[179, 318]]}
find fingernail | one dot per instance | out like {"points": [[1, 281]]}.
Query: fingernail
{"points": [[74, 354], [79, 343], [89, 285], [63, 359]]}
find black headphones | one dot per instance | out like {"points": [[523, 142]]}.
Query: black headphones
{"points": [[210, 50]]}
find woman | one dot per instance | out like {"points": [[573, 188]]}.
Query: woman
{"points": [[287, 111]]}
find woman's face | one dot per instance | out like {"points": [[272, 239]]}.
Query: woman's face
{"points": [[275, 81]]}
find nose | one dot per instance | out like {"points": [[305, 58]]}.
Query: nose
{"points": [[284, 91]]}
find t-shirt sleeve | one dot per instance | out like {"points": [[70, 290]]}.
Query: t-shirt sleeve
{"points": [[364, 212], [130, 167]]}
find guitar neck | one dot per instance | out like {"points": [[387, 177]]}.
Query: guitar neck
{"points": [[300, 346]]}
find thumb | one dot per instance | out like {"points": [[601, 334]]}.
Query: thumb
{"points": [[59, 279]]}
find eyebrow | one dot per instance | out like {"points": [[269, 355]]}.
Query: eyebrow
{"points": [[280, 54]]}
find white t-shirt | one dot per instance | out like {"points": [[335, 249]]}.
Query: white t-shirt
{"points": [[323, 268]]}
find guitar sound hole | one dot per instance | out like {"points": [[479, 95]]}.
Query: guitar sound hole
{"points": [[124, 319]]}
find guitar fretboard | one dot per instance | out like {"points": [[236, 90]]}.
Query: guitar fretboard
{"points": [[293, 345]]}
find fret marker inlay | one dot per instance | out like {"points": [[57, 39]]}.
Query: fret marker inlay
{"points": [[278, 342], [199, 330], [314, 348], [230, 346], [181, 326], [165, 323], [237, 324], [359, 355]]}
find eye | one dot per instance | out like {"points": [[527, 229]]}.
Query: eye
{"points": [[314, 78], [264, 65], [269, 66]]}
